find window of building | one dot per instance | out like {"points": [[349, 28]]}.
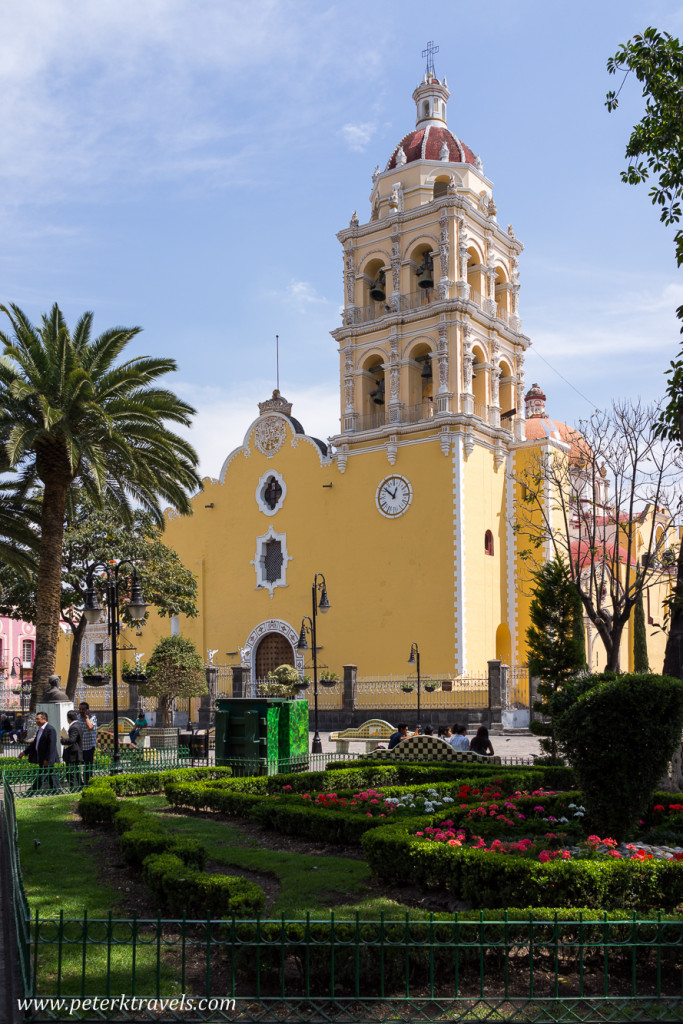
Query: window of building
{"points": [[271, 491], [271, 560], [99, 655], [488, 542], [27, 653]]}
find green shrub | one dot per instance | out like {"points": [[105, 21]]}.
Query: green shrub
{"points": [[500, 880], [184, 890], [619, 735], [198, 797]]}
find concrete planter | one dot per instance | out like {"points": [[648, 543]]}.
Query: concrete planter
{"points": [[516, 719]]}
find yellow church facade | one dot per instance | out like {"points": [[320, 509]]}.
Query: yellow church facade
{"points": [[408, 509]]}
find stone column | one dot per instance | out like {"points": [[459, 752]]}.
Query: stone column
{"points": [[349, 695], [208, 702], [495, 693]]}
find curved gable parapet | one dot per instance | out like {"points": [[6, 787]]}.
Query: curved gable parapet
{"points": [[268, 434]]}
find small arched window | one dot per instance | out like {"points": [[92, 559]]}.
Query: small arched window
{"points": [[488, 543], [440, 189]]}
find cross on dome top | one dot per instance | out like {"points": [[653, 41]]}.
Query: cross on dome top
{"points": [[429, 54]]}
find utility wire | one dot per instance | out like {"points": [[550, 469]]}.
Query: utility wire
{"points": [[562, 377]]}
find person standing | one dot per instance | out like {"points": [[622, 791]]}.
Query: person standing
{"points": [[73, 751], [42, 751], [88, 723]]}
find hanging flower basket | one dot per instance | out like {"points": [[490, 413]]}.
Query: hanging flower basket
{"points": [[328, 682], [134, 678], [430, 687], [447, 686], [407, 687], [96, 680], [302, 685]]}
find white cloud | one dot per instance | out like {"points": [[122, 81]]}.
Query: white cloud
{"points": [[224, 415], [357, 136], [302, 295]]}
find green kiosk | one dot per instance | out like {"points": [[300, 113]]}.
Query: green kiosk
{"points": [[262, 735]]}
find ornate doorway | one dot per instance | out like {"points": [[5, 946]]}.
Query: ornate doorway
{"points": [[275, 649]]}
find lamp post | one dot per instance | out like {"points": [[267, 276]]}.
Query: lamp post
{"points": [[323, 606], [414, 659], [135, 607]]}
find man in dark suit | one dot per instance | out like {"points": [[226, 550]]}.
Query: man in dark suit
{"points": [[43, 752], [72, 751]]}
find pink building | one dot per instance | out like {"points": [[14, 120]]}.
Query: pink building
{"points": [[17, 651]]}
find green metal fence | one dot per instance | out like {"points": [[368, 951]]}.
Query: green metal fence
{"points": [[365, 971]]}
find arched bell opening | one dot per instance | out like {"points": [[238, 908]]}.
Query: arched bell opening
{"points": [[374, 392], [441, 186], [375, 285], [421, 380], [479, 389], [475, 276], [422, 264], [507, 395], [502, 294]]}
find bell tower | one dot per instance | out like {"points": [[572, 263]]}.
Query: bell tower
{"points": [[431, 335]]}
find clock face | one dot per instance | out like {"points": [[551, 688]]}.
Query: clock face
{"points": [[394, 495]]}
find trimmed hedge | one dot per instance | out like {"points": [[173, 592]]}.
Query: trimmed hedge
{"points": [[501, 880], [406, 772], [98, 803], [197, 894]]}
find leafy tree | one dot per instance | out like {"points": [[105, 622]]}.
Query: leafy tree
{"points": [[619, 734], [640, 659], [555, 642], [655, 153], [91, 535], [174, 670], [72, 414]]}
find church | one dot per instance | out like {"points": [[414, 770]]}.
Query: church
{"points": [[406, 512]]}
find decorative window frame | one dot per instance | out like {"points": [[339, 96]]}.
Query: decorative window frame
{"points": [[259, 561], [267, 511]]}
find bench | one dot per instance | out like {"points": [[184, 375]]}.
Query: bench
{"points": [[370, 734], [430, 748], [105, 735]]}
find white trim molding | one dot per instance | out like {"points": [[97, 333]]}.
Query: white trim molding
{"points": [[257, 634]]}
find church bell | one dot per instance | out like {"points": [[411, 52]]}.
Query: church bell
{"points": [[378, 394], [377, 291], [425, 272], [426, 368]]}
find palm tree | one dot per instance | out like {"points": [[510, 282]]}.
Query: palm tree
{"points": [[69, 412]]}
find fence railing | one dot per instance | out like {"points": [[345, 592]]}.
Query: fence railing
{"points": [[515, 686], [364, 971], [435, 692]]}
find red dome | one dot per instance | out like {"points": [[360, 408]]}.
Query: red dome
{"points": [[426, 143], [537, 427]]}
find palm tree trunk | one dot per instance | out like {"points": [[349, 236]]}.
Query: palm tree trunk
{"points": [[49, 587]]}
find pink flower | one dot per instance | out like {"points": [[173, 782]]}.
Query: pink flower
{"points": [[544, 856], [286, 788]]}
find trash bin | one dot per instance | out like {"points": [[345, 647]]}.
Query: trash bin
{"points": [[194, 745]]}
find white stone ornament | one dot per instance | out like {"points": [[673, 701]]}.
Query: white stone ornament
{"points": [[269, 436], [394, 496]]}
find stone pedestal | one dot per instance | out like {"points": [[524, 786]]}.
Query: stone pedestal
{"points": [[56, 716]]}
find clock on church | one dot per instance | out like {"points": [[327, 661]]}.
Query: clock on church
{"points": [[394, 496]]}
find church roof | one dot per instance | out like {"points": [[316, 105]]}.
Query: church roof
{"points": [[538, 427], [425, 144]]}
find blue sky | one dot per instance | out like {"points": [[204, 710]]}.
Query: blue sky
{"points": [[184, 165]]}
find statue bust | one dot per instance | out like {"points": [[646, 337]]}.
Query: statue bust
{"points": [[53, 693]]}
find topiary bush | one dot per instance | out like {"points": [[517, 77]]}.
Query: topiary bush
{"points": [[619, 734], [174, 670]]}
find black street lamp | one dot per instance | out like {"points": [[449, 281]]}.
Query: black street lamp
{"points": [[414, 659], [135, 607], [323, 606]]}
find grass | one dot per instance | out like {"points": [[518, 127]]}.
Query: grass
{"points": [[62, 876], [308, 883]]}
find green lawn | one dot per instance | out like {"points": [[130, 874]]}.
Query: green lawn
{"points": [[62, 876]]}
